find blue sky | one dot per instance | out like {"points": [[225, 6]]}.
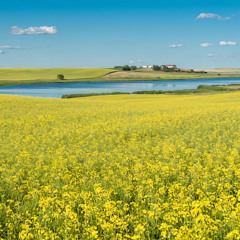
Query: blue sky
{"points": [[94, 33]]}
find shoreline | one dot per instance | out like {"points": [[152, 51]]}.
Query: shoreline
{"points": [[102, 79]]}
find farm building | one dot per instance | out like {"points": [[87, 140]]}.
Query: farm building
{"points": [[147, 66], [169, 66]]}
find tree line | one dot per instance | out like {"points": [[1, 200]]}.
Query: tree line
{"points": [[126, 68]]}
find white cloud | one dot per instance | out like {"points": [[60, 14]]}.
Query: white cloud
{"points": [[211, 15], [131, 61], [211, 55], [229, 43], [34, 30], [7, 47], [176, 45], [10, 47], [206, 44]]}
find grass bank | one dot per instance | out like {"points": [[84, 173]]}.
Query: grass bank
{"points": [[202, 89]]}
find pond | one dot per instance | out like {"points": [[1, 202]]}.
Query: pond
{"points": [[56, 90]]}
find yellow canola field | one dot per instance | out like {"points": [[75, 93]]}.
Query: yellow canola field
{"points": [[120, 167]]}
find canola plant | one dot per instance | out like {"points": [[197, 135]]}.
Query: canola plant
{"points": [[120, 167]]}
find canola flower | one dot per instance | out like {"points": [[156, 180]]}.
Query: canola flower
{"points": [[120, 167]]}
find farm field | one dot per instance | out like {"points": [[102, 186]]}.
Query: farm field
{"points": [[120, 167], [158, 75]]}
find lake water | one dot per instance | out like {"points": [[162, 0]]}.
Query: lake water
{"points": [[56, 90]]}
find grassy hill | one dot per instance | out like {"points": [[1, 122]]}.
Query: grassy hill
{"points": [[51, 73]]}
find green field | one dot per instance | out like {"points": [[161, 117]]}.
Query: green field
{"points": [[121, 167], [48, 74]]}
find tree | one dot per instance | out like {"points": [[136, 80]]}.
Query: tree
{"points": [[126, 68], [133, 68], [118, 67], [60, 77], [156, 68]]}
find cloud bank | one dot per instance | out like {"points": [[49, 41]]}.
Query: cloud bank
{"points": [[229, 43], [211, 15], [34, 30]]}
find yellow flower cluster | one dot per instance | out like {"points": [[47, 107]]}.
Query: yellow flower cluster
{"points": [[120, 167]]}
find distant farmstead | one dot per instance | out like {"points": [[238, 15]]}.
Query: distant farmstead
{"points": [[147, 66], [169, 68]]}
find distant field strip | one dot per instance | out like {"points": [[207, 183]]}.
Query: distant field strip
{"points": [[51, 73], [157, 75], [120, 167]]}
